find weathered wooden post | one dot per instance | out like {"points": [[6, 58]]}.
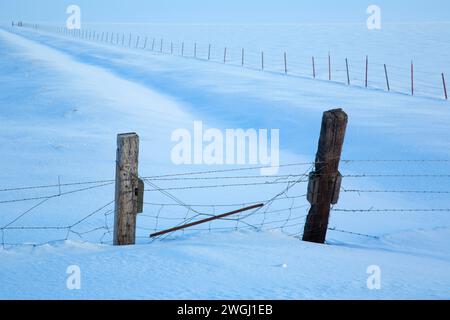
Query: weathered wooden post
{"points": [[129, 189], [325, 181]]}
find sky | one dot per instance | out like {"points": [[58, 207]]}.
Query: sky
{"points": [[225, 11]]}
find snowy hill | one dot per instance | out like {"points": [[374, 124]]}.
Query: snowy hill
{"points": [[63, 100]]}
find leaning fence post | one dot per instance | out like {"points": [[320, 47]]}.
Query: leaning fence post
{"points": [[325, 181], [445, 87], [127, 189], [387, 78]]}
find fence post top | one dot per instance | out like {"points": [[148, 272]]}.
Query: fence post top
{"points": [[125, 135], [337, 111]]}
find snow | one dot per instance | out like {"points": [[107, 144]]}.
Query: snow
{"points": [[64, 100]]}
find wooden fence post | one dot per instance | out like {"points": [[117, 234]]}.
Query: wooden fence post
{"points": [[387, 78], [242, 57], [262, 60], [367, 71], [412, 78], [162, 44], [325, 181], [195, 50], [153, 44], [348, 72], [127, 189], [445, 87], [314, 67], [209, 52], [225, 55], [285, 64], [329, 66]]}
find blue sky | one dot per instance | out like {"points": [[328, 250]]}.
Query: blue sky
{"points": [[226, 11]]}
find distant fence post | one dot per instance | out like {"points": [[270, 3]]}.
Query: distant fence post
{"points": [[329, 66], [195, 50], [348, 72], [242, 57], [161, 46], [387, 78], [128, 189], [285, 63], [209, 51], [182, 49], [325, 181], [412, 78], [367, 71], [314, 68], [225, 55], [262, 60], [445, 87]]}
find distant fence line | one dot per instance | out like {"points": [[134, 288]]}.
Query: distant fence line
{"points": [[265, 61]]}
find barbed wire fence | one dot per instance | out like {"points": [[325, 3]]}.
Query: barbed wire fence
{"points": [[285, 206], [359, 73]]}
